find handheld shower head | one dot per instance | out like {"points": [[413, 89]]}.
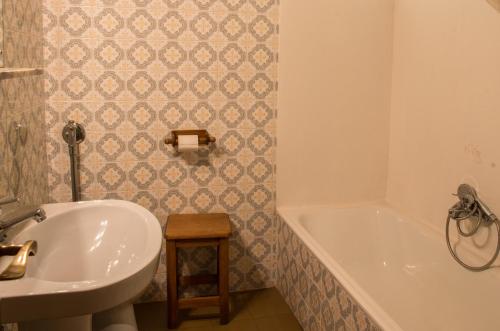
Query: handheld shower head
{"points": [[486, 210]]}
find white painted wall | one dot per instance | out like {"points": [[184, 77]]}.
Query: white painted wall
{"points": [[445, 117], [444, 109], [334, 95]]}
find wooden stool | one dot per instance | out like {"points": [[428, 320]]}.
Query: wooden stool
{"points": [[194, 230]]}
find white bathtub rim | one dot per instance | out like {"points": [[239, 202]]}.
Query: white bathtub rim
{"points": [[368, 304], [428, 227]]}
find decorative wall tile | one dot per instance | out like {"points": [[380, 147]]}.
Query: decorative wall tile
{"points": [[109, 54], [141, 85], [110, 146], [231, 198], [75, 53], [173, 173], [77, 111], [232, 114], [203, 114], [173, 202], [203, 200], [202, 55], [108, 22], [261, 57], [142, 115], [259, 142], [260, 86], [232, 85], [111, 177], [141, 54], [232, 143], [231, 171], [143, 175], [261, 28], [232, 56], [259, 197], [134, 70], [262, 5], [109, 85], [202, 85], [141, 23], [23, 156], [260, 223], [109, 115], [202, 173], [75, 21], [173, 85], [76, 85], [173, 55], [233, 27], [173, 25], [233, 4], [203, 26], [260, 170], [173, 115], [260, 113]]}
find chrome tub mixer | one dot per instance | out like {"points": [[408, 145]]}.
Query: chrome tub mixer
{"points": [[471, 207]]}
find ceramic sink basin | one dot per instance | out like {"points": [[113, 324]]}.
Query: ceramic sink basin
{"points": [[92, 256]]}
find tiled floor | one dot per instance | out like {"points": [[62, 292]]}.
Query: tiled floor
{"points": [[261, 310]]}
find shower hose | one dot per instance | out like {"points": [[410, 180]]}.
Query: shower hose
{"points": [[459, 217]]}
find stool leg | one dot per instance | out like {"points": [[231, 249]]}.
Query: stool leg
{"points": [[172, 303], [223, 262]]}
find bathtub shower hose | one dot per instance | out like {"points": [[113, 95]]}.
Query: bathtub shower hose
{"points": [[460, 213]]}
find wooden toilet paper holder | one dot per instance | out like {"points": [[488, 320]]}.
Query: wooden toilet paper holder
{"points": [[204, 138]]}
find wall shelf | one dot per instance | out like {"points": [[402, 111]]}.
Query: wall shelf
{"points": [[6, 73]]}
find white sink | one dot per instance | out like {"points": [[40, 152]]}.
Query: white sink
{"points": [[92, 257]]}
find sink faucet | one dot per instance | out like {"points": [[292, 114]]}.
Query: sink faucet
{"points": [[7, 200], [20, 215]]}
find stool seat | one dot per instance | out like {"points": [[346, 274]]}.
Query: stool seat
{"points": [[197, 226], [196, 230]]}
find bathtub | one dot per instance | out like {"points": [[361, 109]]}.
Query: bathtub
{"points": [[369, 268]]}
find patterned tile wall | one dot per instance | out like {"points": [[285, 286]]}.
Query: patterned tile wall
{"points": [[315, 296], [23, 160], [131, 71]]}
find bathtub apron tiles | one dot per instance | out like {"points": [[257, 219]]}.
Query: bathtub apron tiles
{"points": [[315, 296]]}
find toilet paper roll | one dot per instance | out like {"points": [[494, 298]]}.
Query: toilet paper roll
{"points": [[187, 143]]}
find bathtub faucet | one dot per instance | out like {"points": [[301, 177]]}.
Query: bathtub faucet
{"points": [[470, 207]]}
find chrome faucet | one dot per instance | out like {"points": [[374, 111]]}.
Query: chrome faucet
{"points": [[470, 207], [8, 200], [22, 214]]}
